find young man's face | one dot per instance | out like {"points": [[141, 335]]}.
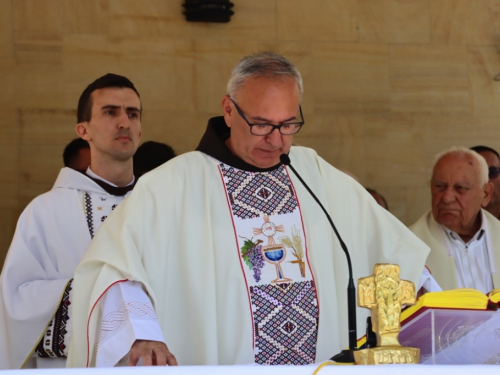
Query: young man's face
{"points": [[262, 101], [114, 130]]}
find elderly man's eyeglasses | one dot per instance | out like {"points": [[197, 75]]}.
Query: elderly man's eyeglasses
{"points": [[493, 172], [287, 128]]}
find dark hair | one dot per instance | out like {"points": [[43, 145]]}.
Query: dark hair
{"points": [[479, 149], [72, 149], [374, 193], [150, 155], [84, 111]]}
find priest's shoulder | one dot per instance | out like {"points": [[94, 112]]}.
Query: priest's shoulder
{"points": [[493, 222], [307, 157], [422, 224], [181, 166], [58, 199], [301, 152]]}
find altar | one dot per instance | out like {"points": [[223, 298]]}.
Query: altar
{"points": [[272, 370]]}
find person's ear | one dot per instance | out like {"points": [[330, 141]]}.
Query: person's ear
{"points": [[488, 193], [227, 110], [81, 130]]}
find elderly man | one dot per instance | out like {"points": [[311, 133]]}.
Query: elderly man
{"points": [[493, 160], [464, 238], [239, 262], [56, 228]]}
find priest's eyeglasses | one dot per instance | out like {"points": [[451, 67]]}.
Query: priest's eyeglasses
{"points": [[287, 128]]}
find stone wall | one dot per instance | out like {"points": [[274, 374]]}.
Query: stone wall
{"points": [[388, 83]]}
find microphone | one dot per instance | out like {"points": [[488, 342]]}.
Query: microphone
{"points": [[345, 356]]}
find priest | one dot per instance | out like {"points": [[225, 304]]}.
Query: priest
{"points": [[56, 228], [222, 254]]}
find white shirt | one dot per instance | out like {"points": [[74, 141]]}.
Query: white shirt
{"points": [[471, 259]]}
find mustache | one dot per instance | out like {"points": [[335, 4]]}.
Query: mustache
{"points": [[123, 133]]}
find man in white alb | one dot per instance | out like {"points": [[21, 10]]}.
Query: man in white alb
{"points": [[56, 228], [237, 259], [464, 238]]}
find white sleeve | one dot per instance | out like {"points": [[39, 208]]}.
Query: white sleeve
{"points": [[127, 315], [428, 282]]}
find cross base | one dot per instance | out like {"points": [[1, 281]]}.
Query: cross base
{"points": [[387, 355]]}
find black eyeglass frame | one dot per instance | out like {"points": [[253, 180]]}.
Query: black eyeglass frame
{"points": [[274, 127], [493, 172]]}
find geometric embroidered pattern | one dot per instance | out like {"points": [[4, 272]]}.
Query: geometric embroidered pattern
{"points": [[285, 323], [253, 194], [113, 320], [97, 208], [264, 193], [88, 211], [52, 344]]}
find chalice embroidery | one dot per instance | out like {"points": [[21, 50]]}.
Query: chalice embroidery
{"points": [[273, 253]]}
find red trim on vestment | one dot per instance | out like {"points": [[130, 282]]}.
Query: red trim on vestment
{"points": [[90, 316], [305, 243], [238, 251]]}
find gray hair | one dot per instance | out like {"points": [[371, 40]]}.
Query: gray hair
{"points": [[262, 64], [463, 152]]}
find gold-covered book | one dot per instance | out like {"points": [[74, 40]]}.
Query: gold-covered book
{"points": [[466, 299], [457, 326]]}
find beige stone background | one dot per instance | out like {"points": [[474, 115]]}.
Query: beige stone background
{"points": [[388, 83]]}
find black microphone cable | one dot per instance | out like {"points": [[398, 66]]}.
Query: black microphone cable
{"points": [[345, 356]]}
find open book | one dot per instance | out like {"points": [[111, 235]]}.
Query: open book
{"points": [[456, 299], [466, 299]]}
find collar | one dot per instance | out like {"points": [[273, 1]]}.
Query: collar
{"points": [[479, 234], [212, 144], [108, 186]]}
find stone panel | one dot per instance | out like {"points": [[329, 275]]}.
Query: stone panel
{"points": [[418, 202], [6, 29], [86, 17], [340, 140], [160, 18], [179, 129], [429, 79], [148, 62], [351, 78], [8, 218], [38, 20], [39, 72], [44, 134], [484, 67], [483, 27], [449, 20], [394, 21], [394, 149], [318, 20]]}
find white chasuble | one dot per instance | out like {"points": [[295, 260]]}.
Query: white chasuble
{"points": [[181, 233], [273, 255], [54, 344], [52, 235]]}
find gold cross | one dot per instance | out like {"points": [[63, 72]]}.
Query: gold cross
{"points": [[384, 294]]}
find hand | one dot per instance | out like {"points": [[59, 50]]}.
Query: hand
{"points": [[153, 353]]}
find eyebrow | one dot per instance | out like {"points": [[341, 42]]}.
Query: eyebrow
{"points": [[114, 106], [258, 118], [461, 183]]}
